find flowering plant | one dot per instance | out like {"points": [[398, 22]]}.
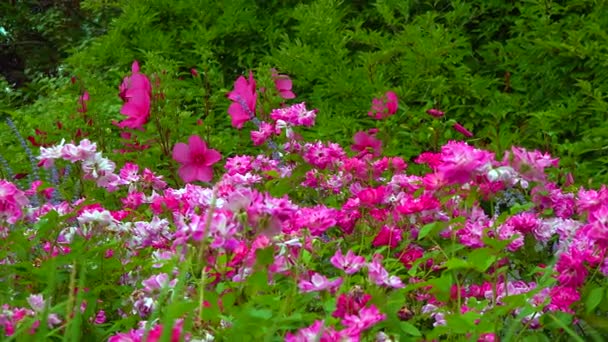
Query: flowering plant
{"points": [[305, 241]]}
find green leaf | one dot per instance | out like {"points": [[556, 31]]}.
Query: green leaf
{"points": [[409, 329], [430, 227], [564, 321], [264, 314], [454, 263], [265, 256], [481, 259], [594, 298]]}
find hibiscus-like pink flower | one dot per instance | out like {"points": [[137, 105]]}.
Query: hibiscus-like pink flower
{"points": [[196, 160], [244, 97], [283, 84], [135, 90]]}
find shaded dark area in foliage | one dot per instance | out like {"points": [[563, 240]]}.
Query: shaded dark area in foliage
{"points": [[39, 34]]}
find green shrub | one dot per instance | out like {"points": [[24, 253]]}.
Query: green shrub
{"points": [[530, 73]]}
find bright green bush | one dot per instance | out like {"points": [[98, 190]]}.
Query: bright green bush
{"points": [[530, 73]]}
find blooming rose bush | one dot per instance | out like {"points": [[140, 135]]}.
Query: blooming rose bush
{"points": [[306, 241]]}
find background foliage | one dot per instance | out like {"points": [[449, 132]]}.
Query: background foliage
{"points": [[531, 73]]}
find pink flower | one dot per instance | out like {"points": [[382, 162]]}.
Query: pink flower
{"points": [[384, 107], [435, 112], [196, 160], [530, 164], [379, 275], [571, 268], [350, 263], [244, 97], [82, 101], [283, 84], [460, 129], [319, 283], [460, 162], [387, 236], [410, 254], [562, 297], [12, 202], [264, 132], [100, 317], [366, 143], [295, 115], [366, 318], [372, 197], [350, 304], [135, 90], [318, 331], [37, 302]]}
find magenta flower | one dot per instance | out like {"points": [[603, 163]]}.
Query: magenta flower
{"points": [[319, 283], [462, 130], [384, 107], [196, 160], [366, 143], [380, 276], [366, 318], [12, 202], [283, 84], [435, 112], [244, 97], [387, 236], [349, 263], [135, 90], [530, 164], [82, 102], [318, 331]]}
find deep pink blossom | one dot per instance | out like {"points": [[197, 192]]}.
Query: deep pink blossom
{"points": [[295, 115], [196, 159], [365, 319], [351, 303], [244, 97], [435, 112], [462, 130], [571, 269], [530, 164], [136, 91], [283, 84], [367, 143], [385, 106], [12, 202], [388, 236], [318, 331], [460, 162], [562, 298]]}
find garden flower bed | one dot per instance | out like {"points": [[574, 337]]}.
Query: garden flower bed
{"points": [[307, 241]]}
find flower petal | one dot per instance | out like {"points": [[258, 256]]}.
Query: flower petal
{"points": [[181, 153], [212, 157], [197, 145]]}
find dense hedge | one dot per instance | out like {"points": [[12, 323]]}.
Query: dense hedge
{"points": [[531, 73]]}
